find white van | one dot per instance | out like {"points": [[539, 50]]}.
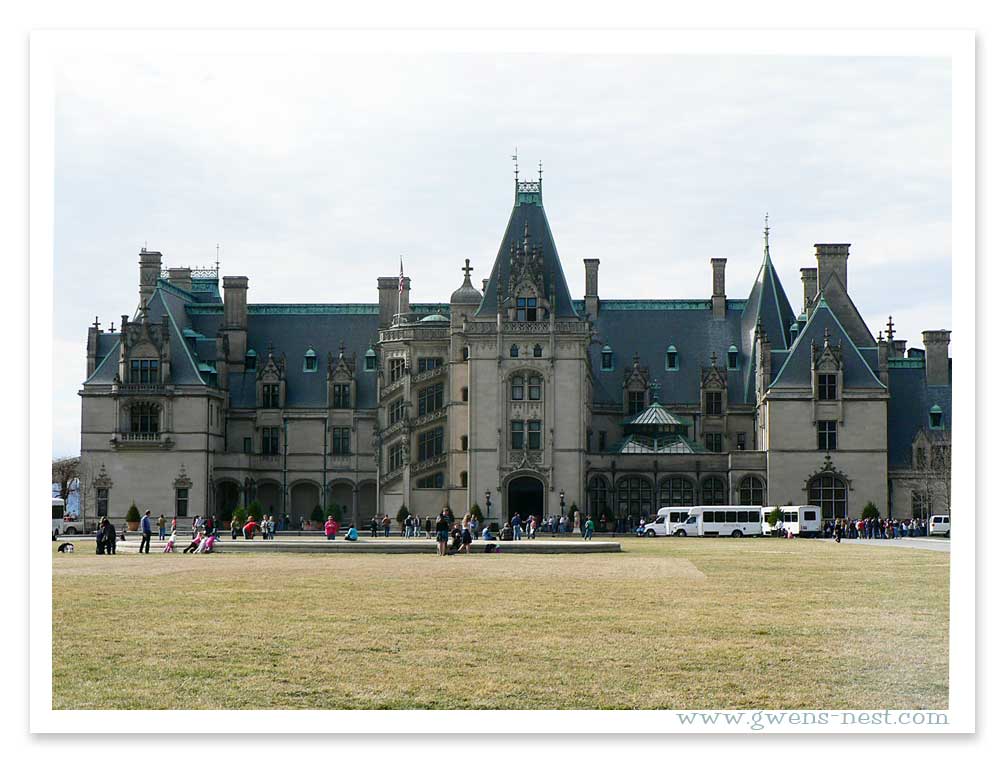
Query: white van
{"points": [[735, 521], [939, 525], [668, 521], [799, 520]]}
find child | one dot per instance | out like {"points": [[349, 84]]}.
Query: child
{"points": [[191, 547], [169, 546]]}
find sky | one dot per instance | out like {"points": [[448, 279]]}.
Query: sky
{"points": [[315, 173]]}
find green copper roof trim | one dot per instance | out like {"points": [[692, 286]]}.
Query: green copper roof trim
{"points": [[166, 285], [210, 285], [906, 363]]}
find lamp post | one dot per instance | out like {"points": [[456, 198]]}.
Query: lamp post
{"points": [[488, 504], [561, 504]]}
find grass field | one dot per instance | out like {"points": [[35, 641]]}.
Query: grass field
{"points": [[670, 623]]}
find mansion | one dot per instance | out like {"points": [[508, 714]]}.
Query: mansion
{"points": [[514, 396]]}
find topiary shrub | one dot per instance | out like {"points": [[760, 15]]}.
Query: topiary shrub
{"points": [[476, 513], [317, 516], [133, 515], [870, 511], [254, 509], [402, 515]]}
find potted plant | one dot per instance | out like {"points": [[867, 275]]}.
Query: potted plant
{"points": [[317, 518], [870, 511], [133, 518]]}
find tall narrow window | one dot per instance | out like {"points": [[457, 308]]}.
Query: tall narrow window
{"points": [[516, 435], [270, 395], [732, 358], [340, 441], [534, 434], [516, 388], [395, 457], [395, 369], [430, 399], [602, 441], [826, 386], [181, 502], [250, 360], [464, 442], [464, 479], [935, 417], [270, 441], [465, 353], [827, 435], [671, 364], [370, 360], [514, 351], [310, 361], [636, 402], [396, 411], [534, 388], [246, 445], [340, 396], [713, 442], [606, 359], [430, 443], [713, 403], [741, 440], [538, 351], [464, 394], [101, 499]]}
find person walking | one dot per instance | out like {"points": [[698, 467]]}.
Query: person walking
{"points": [[588, 528], [386, 521], [147, 530], [517, 529], [174, 524], [161, 527]]}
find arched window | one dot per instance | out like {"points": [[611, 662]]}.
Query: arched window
{"points": [[514, 351], [732, 357], [597, 495], [370, 360], [830, 493], [534, 388], [538, 351], [250, 360], [751, 492], [144, 418], [671, 364], [310, 361], [516, 388], [606, 359], [635, 497], [713, 492], [935, 417], [676, 491]]}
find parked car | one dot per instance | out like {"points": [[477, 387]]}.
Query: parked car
{"points": [[62, 523], [939, 525]]}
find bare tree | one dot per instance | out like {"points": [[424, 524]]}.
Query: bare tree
{"points": [[66, 474]]}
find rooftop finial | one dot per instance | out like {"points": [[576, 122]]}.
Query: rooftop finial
{"points": [[218, 260], [889, 329], [467, 271], [766, 230], [540, 171], [516, 165]]}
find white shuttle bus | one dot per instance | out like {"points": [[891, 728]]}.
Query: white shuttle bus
{"points": [[799, 520], [734, 521], [668, 521]]}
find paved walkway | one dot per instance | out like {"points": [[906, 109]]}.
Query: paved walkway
{"points": [[926, 543], [399, 545]]}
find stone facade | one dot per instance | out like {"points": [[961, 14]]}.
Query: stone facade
{"points": [[513, 396]]}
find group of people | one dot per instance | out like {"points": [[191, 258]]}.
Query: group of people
{"points": [[875, 528], [332, 528], [460, 535]]}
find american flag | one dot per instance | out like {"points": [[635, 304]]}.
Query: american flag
{"points": [[401, 275]]}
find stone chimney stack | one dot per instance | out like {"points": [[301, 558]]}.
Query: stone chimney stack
{"points": [[899, 348], [387, 298], [92, 347], [592, 295], [809, 276], [832, 259], [936, 356], [235, 317], [181, 277], [718, 287], [883, 356], [763, 361], [150, 271]]}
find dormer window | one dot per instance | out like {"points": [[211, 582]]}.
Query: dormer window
{"points": [[607, 359], [144, 371], [310, 361], [370, 360], [826, 386], [526, 308], [671, 364], [514, 351], [250, 360], [713, 403], [732, 357], [935, 417], [270, 395]]}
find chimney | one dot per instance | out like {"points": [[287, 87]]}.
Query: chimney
{"points": [[180, 277], [592, 295], [899, 348], [936, 356], [150, 271], [387, 297], [763, 362], [809, 276], [883, 355], [235, 317], [832, 259], [718, 287], [92, 347]]}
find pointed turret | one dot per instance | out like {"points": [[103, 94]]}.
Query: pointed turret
{"points": [[527, 264]]}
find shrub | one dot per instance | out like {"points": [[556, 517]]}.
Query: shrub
{"points": [[239, 515], [317, 516], [336, 512], [133, 515], [775, 516], [870, 511], [254, 509], [476, 513], [573, 509], [402, 515], [226, 515]]}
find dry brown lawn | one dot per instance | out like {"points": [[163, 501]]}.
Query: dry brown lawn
{"points": [[669, 623]]}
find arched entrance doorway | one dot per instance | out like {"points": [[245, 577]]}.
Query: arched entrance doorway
{"points": [[304, 498], [228, 498], [525, 495]]}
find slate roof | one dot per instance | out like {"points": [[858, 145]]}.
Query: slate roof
{"points": [[768, 304], [911, 399], [795, 371], [648, 328], [529, 214]]}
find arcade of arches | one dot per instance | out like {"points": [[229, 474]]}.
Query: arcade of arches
{"points": [[304, 496], [633, 495]]}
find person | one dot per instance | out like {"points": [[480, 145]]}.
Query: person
{"points": [[515, 524], [174, 523], [429, 527], [249, 528], [169, 546], [386, 521], [272, 526], [208, 525], [641, 529], [837, 532], [442, 531], [331, 528], [507, 531], [161, 527], [456, 539], [351, 534], [235, 528], [373, 527], [532, 527], [588, 528], [105, 538], [147, 530], [191, 547], [466, 539], [487, 533]]}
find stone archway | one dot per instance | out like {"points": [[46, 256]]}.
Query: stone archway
{"points": [[525, 495], [304, 496], [228, 498], [269, 496], [340, 494]]}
